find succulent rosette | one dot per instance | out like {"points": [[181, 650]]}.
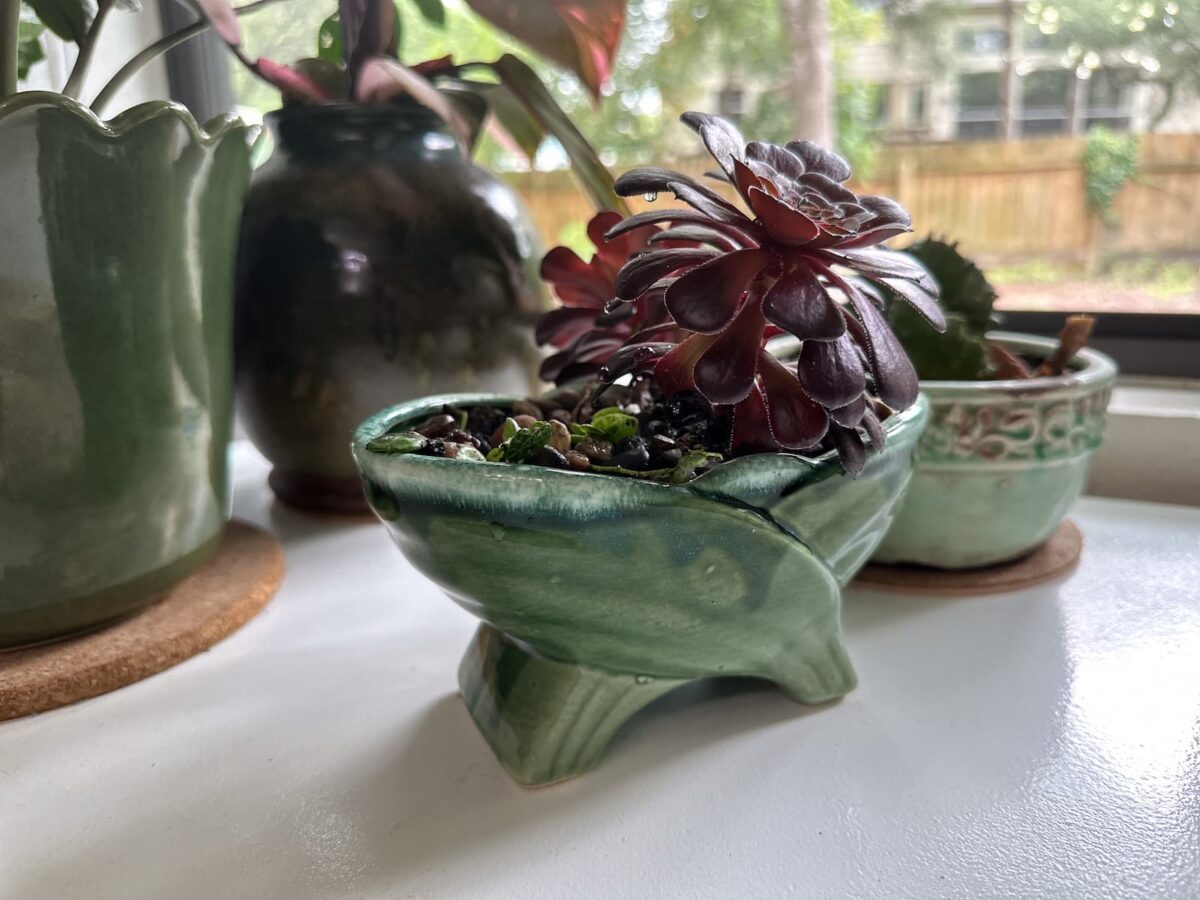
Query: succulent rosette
{"points": [[585, 329], [794, 263]]}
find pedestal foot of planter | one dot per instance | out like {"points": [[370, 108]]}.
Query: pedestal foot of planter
{"points": [[313, 493], [547, 721], [817, 671]]}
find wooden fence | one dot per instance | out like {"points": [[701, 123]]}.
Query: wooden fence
{"points": [[1002, 201]]}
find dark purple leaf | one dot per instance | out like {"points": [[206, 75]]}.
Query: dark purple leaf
{"points": [[895, 378], [850, 449], [563, 325], [698, 234], [642, 271], [784, 224], [852, 413], [920, 300], [745, 232], [885, 264], [828, 188], [875, 432], [706, 298], [368, 30], [800, 305], [751, 427], [725, 373], [830, 371], [718, 208], [722, 140], [797, 421], [674, 371], [817, 159], [886, 210], [634, 358], [649, 180], [777, 158]]}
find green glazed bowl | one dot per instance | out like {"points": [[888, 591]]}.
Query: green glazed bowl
{"points": [[598, 594], [1001, 462]]}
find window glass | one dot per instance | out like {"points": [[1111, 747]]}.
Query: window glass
{"points": [[1089, 75]]}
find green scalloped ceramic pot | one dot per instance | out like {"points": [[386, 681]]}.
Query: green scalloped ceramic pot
{"points": [[598, 594], [117, 246], [1001, 462]]}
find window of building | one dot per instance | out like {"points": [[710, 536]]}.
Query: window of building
{"points": [[978, 105], [979, 40], [916, 106], [1108, 100], [1045, 99]]}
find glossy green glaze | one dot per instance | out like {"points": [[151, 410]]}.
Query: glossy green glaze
{"points": [[377, 263], [1001, 462], [599, 593], [116, 272]]}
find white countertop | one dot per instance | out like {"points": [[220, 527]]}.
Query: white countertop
{"points": [[1038, 744]]}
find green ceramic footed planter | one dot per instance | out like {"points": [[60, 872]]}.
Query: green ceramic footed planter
{"points": [[1001, 462], [116, 278], [598, 594]]}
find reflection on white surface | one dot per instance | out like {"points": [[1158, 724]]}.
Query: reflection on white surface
{"points": [[1041, 744], [1134, 692]]}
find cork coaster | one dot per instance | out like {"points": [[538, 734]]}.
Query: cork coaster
{"points": [[1057, 555], [212, 603]]}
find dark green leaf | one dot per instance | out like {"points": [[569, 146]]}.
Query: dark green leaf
{"points": [[401, 442], [330, 77], [329, 40], [433, 11], [522, 445], [471, 107], [512, 117], [496, 454], [523, 82], [29, 46], [614, 424], [69, 19]]}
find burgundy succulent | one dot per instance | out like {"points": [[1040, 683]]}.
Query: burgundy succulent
{"points": [[789, 265], [584, 330]]}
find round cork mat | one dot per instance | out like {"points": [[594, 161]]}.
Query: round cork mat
{"points": [[1057, 555], [210, 604]]}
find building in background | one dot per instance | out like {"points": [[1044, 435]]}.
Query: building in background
{"points": [[949, 84]]}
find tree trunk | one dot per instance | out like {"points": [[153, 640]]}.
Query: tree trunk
{"points": [[1010, 86], [806, 24]]}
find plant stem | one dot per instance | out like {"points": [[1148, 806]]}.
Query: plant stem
{"points": [[10, 37], [87, 50], [159, 47]]}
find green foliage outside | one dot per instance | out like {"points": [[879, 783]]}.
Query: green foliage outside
{"points": [[1109, 161], [675, 56]]}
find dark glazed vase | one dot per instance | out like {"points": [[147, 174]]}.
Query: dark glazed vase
{"points": [[377, 264]]}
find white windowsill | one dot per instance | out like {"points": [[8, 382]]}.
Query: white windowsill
{"points": [[1151, 447]]}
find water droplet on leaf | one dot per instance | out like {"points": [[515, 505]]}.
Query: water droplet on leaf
{"points": [[650, 196]]}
